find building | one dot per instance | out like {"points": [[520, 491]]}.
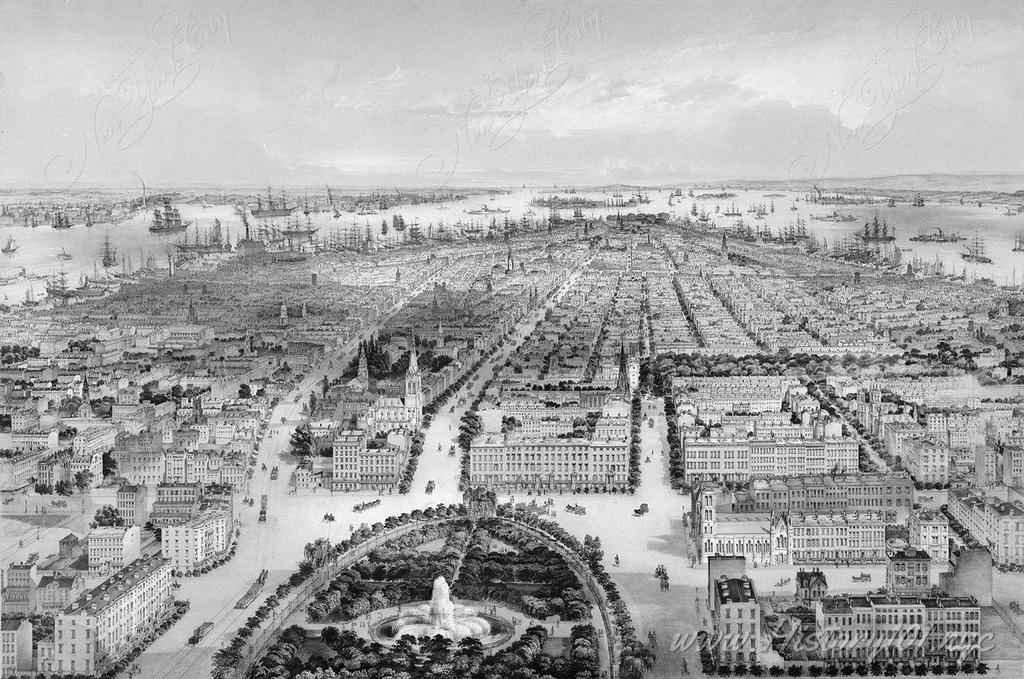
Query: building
{"points": [[348, 448], [175, 502], [737, 620], [381, 463], [106, 623], [812, 493], [131, 505], [837, 537], [908, 571], [195, 543], [742, 459], [929, 630], [929, 531], [811, 585], [93, 440], [111, 548], [995, 523], [16, 647], [56, 592], [927, 461], [19, 593]]}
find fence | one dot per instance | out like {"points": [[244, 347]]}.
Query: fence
{"points": [[258, 643]]}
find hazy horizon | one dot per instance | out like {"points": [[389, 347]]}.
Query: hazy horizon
{"points": [[482, 95]]}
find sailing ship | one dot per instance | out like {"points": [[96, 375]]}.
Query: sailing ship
{"points": [[877, 232], [273, 209], [938, 237], [733, 211], [11, 247], [30, 297], [892, 202], [976, 252], [1018, 242], [60, 221], [64, 255], [167, 221], [109, 254]]}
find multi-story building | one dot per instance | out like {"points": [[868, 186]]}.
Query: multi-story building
{"points": [[995, 523], [348, 448], [104, 624], [837, 537], [16, 647], [510, 461], [811, 585], [731, 459], [737, 620], [814, 493], [94, 440], [381, 463], [131, 504], [175, 502], [929, 531], [56, 592], [19, 593], [111, 548], [862, 629], [926, 460], [908, 571], [192, 544]]}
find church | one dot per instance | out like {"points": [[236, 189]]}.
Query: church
{"points": [[384, 407]]}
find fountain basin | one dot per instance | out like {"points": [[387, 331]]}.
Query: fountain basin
{"points": [[491, 630]]}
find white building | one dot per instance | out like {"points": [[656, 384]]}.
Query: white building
{"points": [[192, 544], [111, 548], [104, 624]]}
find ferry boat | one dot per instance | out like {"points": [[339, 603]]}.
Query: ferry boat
{"points": [[938, 237]]}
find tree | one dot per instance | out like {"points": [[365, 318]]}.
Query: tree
{"points": [[244, 391], [83, 479], [43, 489], [107, 516], [109, 465], [63, 488], [302, 441]]}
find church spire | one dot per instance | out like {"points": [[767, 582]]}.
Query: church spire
{"points": [[363, 373], [622, 381], [414, 365]]}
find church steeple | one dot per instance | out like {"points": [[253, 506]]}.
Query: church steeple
{"points": [[414, 385], [622, 381], [363, 372]]}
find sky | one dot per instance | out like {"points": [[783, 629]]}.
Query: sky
{"points": [[460, 93]]}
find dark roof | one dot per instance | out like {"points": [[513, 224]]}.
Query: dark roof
{"points": [[734, 590]]}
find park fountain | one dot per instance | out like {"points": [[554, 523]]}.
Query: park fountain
{"points": [[443, 616]]}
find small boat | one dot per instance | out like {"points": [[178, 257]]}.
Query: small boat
{"points": [[11, 247], [918, 201], [64, 255], [1018, 242]]}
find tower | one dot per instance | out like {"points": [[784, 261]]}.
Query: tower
{"points": [[622, 380], [725, 247], [193, 319], [284, 315], [363, 372], [414, 386], [510, 264]]}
